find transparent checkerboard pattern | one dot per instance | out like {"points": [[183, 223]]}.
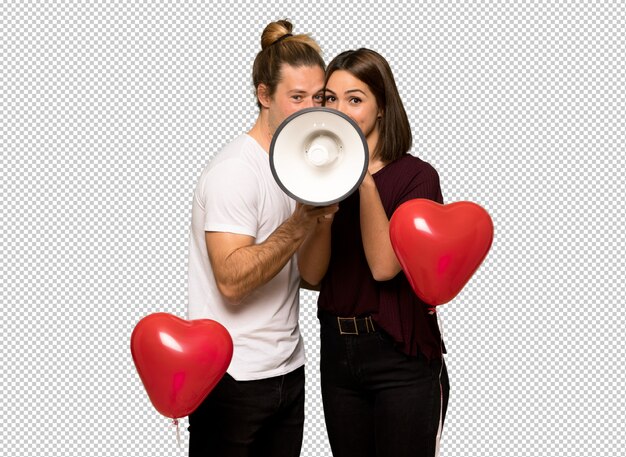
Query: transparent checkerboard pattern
{"points": [[110, 110]]}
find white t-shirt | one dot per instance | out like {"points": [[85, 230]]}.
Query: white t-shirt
{"points": [[237, 193]]}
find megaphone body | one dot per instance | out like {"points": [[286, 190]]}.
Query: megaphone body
{"points": [[318, 156]]}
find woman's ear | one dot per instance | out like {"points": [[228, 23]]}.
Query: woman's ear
{"points": [[263, 95]]}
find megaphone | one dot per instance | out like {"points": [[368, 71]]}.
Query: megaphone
{"points": [[318, 156]]}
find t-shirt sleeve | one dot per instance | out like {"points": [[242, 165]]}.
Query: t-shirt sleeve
{"points": [[231, 198]]}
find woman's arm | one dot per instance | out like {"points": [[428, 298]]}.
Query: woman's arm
{"points": [[314, 253], [375, 233]]}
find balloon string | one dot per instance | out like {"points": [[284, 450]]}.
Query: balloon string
{"points": [[440, 427], [175, 423]]}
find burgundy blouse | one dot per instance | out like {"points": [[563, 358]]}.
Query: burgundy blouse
{"points": [[349, 289]]}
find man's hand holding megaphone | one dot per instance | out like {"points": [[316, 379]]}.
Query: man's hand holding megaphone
{"points": [[317, 214]]}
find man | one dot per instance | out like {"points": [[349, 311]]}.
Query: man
{"points": [[244, 233]]}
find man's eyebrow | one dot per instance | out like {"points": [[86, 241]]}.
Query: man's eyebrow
{"points": [[305, 92]]}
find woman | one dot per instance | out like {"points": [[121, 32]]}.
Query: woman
{"points": [[384, 381]]}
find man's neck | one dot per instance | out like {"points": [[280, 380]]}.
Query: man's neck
{"points": [[260, 131]]}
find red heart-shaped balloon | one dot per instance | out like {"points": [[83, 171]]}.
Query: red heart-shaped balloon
{"points": [[179, 361], [440, 246]]}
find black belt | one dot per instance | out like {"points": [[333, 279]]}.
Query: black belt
{"points": [[348, 325]]}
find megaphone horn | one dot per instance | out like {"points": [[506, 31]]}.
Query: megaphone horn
{"points": [[318, 156]]}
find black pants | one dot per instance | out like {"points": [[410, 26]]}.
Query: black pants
{"points": [[379, 402], [250, 418]]}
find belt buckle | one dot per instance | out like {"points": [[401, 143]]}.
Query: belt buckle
{"points": [[353, 319]]}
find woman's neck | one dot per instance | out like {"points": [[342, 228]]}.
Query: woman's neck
{"points": [[375, 164]]}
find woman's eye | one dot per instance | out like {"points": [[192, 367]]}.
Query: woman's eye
{"points": [[330, 99], [355, 100]]}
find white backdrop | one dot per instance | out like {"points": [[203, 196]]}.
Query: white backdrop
{"points": [[109, 111]]}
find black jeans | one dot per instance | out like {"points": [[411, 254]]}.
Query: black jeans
{"points": [[379, 402], [250, 418]]}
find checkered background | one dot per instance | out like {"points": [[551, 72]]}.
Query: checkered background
{"points": [[110, 110]]}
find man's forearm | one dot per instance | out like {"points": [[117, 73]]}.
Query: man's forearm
{"points": [[249, 267]]}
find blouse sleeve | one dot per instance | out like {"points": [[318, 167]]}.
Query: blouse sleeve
{"points": [[423, 184]]}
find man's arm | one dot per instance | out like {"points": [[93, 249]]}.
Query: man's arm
{"points": [[240, 266]]}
